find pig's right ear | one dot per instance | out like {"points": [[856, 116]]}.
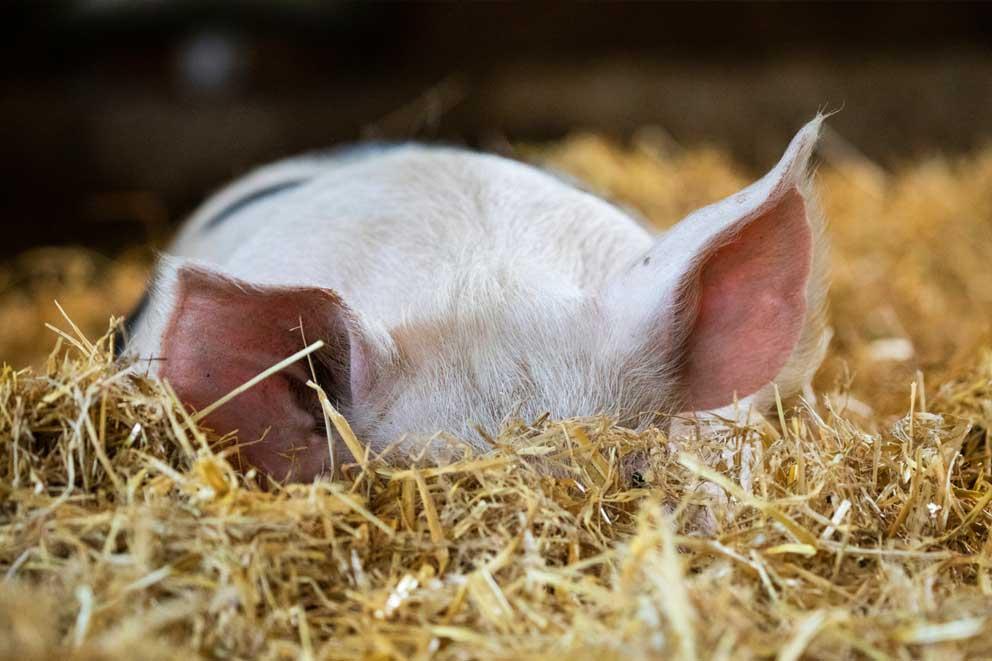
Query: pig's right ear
{"points": [[222, 332], [730, 301]]}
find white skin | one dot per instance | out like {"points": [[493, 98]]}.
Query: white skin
{"points": [[456, 290]]}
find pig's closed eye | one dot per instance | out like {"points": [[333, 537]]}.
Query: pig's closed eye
{"points": [[307, 398]]}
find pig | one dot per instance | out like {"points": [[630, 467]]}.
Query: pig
{"points": [[455, 290]]}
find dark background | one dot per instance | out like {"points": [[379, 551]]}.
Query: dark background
{"points": [[117, 117]]}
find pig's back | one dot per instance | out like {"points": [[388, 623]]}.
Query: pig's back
{"points": [[401, 231]]}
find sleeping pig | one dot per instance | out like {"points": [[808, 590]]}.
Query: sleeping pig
{"points": [[454, 290]]}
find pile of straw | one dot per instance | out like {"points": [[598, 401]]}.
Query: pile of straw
{"points": [[852, 523]]}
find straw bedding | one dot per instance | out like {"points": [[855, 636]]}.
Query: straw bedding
{"points": [[852, 523]]}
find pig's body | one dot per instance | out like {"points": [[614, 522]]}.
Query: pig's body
{"points": [[466, 288], [411, 233]]}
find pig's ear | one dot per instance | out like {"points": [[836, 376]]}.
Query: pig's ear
{"points": [[222, 332], [733, 296]]}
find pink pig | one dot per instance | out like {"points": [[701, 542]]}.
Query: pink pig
{"points": [[455, 290]]}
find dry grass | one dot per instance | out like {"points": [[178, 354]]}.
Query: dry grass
{"points": [[855, 524]]}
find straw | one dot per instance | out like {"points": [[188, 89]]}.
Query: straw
{"points": [[851, 523]]}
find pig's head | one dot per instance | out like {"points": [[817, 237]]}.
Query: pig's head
{"points": [[724, 307]]}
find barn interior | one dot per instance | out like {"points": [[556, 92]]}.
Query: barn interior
{"points": [[850, 522]]}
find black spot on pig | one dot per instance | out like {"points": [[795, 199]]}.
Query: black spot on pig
{"points": [[244, 202]]}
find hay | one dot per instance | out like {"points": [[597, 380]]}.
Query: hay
{"points": [[853, 524]]}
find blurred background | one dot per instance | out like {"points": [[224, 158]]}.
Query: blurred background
{"points": [[118, 116]]}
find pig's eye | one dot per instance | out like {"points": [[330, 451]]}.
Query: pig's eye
{"points": [[307, 398]]}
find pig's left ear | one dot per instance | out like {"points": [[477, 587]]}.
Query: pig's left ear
{"points": [[733, 296], [222, 332]]}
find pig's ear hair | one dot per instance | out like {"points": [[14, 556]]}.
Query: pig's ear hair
{"points": [[732, 298], [222, 332]]}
